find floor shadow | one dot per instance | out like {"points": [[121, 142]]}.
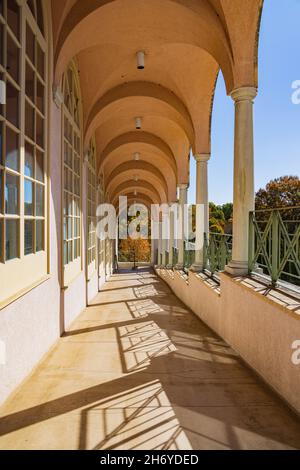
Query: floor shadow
{"points": [[180, 387]]}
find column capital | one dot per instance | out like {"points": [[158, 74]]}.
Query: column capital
{"points": [[202, 157], [245, 93], [183, 185]]}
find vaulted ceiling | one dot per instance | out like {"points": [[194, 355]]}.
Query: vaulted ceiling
{"points": [[186, 43]]}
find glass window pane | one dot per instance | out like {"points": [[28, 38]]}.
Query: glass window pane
{"points": [[70, 255], [30, 3], [1, 44], [1, 191], [39, 236], [11, 239], [39, 167], [39, 200], [28, 237], [75, 250], [12, 58], [40, 96], [30, 44], [1, 143], [12, 149], [29, 121], [65, 229], [39, 131], [11, 194], [28, 197], [12, 104], [69, 228], [13, 16], [40, 61], [65, 253], [39, 15], [29, 160], [30, 78]]}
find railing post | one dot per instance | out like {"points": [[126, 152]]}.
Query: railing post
{"points": [[205, 251], [251, 241], [275, 247]]}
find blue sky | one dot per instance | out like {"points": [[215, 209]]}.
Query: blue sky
{"points": [[276, 118]]}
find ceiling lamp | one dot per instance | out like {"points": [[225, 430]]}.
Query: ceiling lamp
{"points": [[138, 123], [136, 178], [140, 59], [136, 156], [135, 192]]}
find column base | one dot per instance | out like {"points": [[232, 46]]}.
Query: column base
{"points": [[179, 267], [169, 266], [258, 270], [237, 268], [196, 268]]}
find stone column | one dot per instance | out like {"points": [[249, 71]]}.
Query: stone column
{"points": [[159, 250], [243, 195], [154, 240], [202, 210], [182, 224], [172, 208]]}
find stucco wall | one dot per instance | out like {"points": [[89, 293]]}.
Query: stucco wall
{"points": [[92, 287], [259, 329], [30, 325]]}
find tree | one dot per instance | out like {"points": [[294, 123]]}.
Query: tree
{"points": [[130, 249], [283, 192], [228, 211], [280, 192]]}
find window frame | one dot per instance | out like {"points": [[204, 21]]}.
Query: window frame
{"points": [[23, 272], [101, 243], [91, 203], [73, 268]]}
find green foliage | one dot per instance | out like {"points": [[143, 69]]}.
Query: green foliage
{"points": [[220, 218], [283, 192]]}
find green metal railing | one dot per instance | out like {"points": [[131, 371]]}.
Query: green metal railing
{"points": [[274, 244], [175, 256], [217, 251], [189, 255]]}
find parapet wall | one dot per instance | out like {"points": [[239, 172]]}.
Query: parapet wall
{"points": [[261, 325]]}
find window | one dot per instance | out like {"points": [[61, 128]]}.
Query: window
{"points": [[71, 175], [101, 243], [91, 208], [23, 51]]}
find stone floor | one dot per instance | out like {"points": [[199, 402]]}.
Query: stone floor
{"points": [[137, 370]]}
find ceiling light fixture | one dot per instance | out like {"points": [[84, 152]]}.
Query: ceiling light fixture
{"points": [[138, 123], [140, 59], [136, 156]]}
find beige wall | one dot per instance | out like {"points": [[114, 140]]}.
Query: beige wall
{"points": [[258, 328], [30, 325]]}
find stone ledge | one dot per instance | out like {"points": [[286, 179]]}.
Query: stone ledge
{"points": [[287, 303], [208, 281]]}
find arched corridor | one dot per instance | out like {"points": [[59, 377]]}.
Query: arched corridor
{"points": [[103, 105], [138, 370]]}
